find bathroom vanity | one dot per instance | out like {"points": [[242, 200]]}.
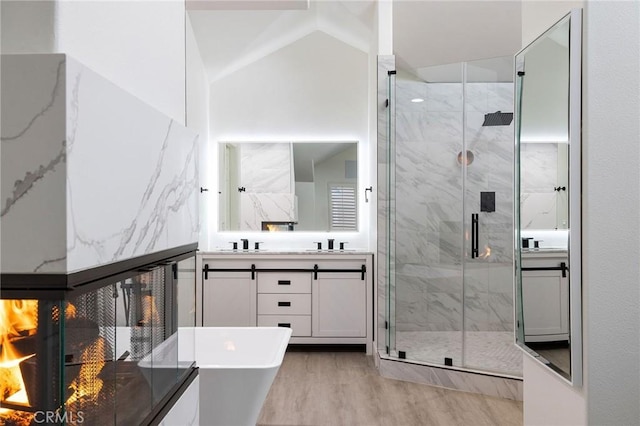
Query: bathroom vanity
{"points": [[545, 290], [325, 297]]}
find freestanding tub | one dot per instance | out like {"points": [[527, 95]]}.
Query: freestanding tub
{"points": [[237, 366]]}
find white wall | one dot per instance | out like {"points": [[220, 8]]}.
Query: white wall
{"points": [[539, 15], [27, 26], [548, 400], [610, 229], [138, 45], [611, 202], [197, 106], [315, 89]]}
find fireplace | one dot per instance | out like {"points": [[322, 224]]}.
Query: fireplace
{"points": [[97, 347], [278, 226]]}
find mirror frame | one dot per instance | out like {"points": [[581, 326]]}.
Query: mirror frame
{"points": [[575, 211]]}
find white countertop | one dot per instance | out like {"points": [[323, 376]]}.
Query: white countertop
{"points": [[284, 252], [544, 252]]}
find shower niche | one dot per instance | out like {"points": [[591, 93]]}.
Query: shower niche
{"points": [[102, 350], [447, 282]]}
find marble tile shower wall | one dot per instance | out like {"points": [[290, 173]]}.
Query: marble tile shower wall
{"points": [[429, 206]]}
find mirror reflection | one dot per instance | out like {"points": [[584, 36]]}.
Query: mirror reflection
{"points": [[543, 147], [288, 186]]}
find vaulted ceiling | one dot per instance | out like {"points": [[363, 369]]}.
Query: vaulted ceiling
{"points": [[232, 34]]}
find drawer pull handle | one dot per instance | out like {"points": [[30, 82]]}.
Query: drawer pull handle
{"points": [[284, 282], [284, 303], [284, 324]]}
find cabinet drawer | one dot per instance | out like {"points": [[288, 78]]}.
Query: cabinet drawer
{"points": [[284, 304], [284, 282], [300, 324]]}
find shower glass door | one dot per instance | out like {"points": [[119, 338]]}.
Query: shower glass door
{"points": [[428, 220], [488, 205], [451, 209]]}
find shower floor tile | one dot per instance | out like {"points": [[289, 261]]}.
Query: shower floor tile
{"points": [[492, 351]]}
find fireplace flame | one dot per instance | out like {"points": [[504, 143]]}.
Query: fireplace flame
{"points": [[486, 253], [272, 228], [87, 384], [18, 319], [150, 313]]}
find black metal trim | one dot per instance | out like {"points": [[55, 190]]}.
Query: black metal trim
{"points": [[56, 286], [562, 267], [206, 269], [391, 72], [168, 401], [474, 235]]}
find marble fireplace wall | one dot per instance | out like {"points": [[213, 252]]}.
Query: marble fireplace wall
{"points": [[90, 174], [266, 172], [429, 222]]}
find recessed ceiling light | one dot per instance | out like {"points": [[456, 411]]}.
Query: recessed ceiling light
{"points": [[417, 100]]}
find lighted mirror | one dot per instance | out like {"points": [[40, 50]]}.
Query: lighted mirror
{"points": [[288, 186], [547, 190]]}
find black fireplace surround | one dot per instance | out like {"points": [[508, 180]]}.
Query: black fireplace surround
{"points": [[96, 347]]}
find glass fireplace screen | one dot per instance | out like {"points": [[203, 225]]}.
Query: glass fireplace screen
{"points": [[106, 356]]}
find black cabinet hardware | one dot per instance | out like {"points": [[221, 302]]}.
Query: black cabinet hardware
{"points": [[284, 324], [284, 303], [284, 282], [562, 267]]}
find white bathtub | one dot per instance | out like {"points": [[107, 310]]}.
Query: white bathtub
{"points": [[237, 366]]}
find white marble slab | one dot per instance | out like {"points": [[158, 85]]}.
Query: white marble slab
{"points": [[256, 208], [503, 387], [111, 178]]}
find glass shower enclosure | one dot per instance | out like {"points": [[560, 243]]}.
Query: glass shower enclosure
{"points": [[449, 217]]}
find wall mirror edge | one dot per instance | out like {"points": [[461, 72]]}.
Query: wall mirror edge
{"points": [[328, 182], [572, 374]]}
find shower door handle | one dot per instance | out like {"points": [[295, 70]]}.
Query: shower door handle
{"points": [[474, 235]]}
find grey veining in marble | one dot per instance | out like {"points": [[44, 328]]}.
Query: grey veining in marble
{"points": [[266, 167], [89, 171], [256, 208]]}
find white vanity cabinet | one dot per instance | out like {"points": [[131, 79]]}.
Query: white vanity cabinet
{"points": [[284, 300], [545, 291], [325, 298], [339, 305], [230, 298]]}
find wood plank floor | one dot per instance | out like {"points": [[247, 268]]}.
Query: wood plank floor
{"points": [[344, 388]]}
